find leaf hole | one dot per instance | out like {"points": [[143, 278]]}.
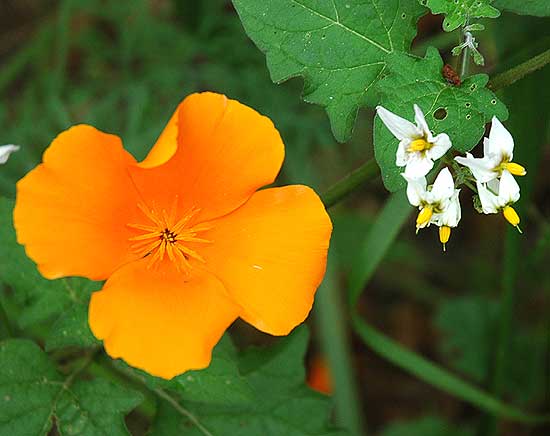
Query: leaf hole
{"points": [[403, 16], [494, 101], [473, 87], [440, 114], [469, 117], [468, 104]]}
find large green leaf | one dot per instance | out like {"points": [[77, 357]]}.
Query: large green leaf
{"points": [[459, 12], [33, 393], [460, 111], [538, 8], [339, 47], [281, 403]]}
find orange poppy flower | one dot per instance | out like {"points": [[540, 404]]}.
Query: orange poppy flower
{"points": [[185, 240]]}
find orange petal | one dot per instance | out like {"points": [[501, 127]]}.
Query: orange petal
{"points": [[225, 151], [270, 254], [71, 211], [159, 320]]}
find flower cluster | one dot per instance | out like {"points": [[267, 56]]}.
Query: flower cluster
{"points": [[439, 203]]}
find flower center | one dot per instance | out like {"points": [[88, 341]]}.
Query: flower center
{"points": [[420, 145], [166, 237], [514, 168]]}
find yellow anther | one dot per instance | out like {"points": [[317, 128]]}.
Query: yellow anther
{"points": [[511, 216], [419, 145], [515, 169], [444, 235], [424, 217]]}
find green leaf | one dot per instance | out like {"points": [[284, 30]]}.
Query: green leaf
{"points": [[538, 8], [339, 47], [460, 111], [426, 426], [71, 329], [281, 402], [32, 393], [220, 383], [37, 298], [459, 12]]}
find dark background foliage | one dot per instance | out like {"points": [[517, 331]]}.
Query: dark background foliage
{"points": [[124, 65]]}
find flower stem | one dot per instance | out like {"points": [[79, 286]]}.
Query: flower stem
{"points": [[518, 72], [349, 183]]}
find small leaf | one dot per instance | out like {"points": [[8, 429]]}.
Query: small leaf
{"points": [[458, 12], [281, 403], [460, 111], [32, 393], [339, 48]]}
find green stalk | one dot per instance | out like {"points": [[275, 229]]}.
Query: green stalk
{"points": [[518, 72], [349, 183], [334, 338], [509, 267]]}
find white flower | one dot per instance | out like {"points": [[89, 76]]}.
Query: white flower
{"points": [[439, 204], [498, 152], [498, 196], [5, 151], [418, 148]]}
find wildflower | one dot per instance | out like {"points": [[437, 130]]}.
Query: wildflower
{"points": [[498, 152], [5, 151], [499, 196], [439, 204], [184, 238], [418, 148]]}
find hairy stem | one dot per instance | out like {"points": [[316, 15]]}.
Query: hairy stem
{"points": [[518, 72]]}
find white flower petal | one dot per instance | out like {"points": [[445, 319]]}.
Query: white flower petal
{"points": [[443, 186], [489, 201], [418, 165], [500, 139], [508, 191], [481, 168], [400, 127], [441, 144], [421, 121], [453, 212], [402, 157], [416, 189], [5, 151]]}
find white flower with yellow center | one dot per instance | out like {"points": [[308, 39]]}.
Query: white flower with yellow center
{"points": [[498, 196], [439, 203], [418, 147], [498, 152], [5, 151]]}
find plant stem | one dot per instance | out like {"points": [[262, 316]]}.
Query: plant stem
{"points": [[349, 183], [518, 72], [334, 340]]}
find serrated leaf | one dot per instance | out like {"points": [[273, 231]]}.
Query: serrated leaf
{"points": [[71, 329], [459, 12], [220, 383], [339, 47], [38, 298], [281, 402], [463, 110], [32, 393], [537, 8]]}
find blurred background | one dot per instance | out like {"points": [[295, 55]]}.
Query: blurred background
{"points": [[124, 65]]}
